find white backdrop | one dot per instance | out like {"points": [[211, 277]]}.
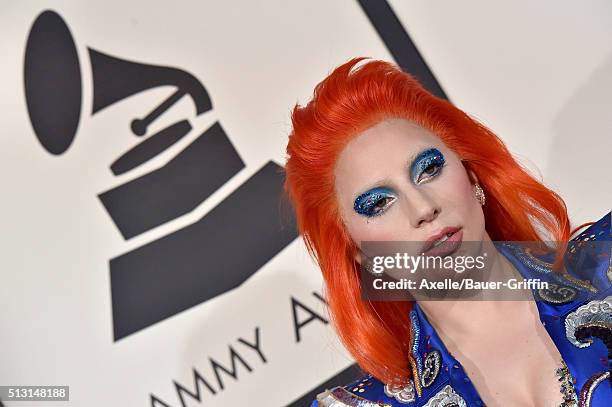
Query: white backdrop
{"points": [[538, 74]]}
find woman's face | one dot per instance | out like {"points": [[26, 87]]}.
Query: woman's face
{"points": [[397, 181]]}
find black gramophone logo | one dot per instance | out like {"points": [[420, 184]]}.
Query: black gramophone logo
{"points": [[188, 266]]}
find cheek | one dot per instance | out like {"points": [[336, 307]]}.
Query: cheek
{"points": [[458, 186], [373, 229]]}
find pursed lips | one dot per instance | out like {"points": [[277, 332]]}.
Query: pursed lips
{"points": [[439, 238]]}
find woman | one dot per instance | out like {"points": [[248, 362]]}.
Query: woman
{"points": [[375, 157]]}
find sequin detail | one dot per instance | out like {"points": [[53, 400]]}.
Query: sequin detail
{"points": [[447, 397], [340, 397], [570, 279], [403, 394], [557, 294], [609, 273], [361, 386], [563, 278], [570, 399], [417, 364], [431, 369], [583, 237], [594, 312], [589, 387]]}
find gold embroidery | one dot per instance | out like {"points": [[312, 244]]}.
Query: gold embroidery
{"points": [[415, 372], [564, 273], [570, 399]]}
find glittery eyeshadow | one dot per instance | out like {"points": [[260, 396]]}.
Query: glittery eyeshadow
{"points": [[424, 160], [365, 202]]}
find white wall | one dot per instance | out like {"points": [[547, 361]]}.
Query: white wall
{"points": [[538, 74]]}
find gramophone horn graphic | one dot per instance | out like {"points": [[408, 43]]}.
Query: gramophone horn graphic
{"points": [[195, 263], [53, 91]]}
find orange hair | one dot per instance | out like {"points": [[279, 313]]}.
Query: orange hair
{"points": [[347, 102]]}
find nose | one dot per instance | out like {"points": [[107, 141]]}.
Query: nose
{"points": [[422, 208]]}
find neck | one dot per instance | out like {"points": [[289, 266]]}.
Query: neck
{"points": [[462, 319]]}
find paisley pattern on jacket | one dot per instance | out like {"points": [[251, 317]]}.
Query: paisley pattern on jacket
{"points": [[576, 311]]}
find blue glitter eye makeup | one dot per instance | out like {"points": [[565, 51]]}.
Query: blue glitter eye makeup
{"points": [[374, 202], [427, 164]]}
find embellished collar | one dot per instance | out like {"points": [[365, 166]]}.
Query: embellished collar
{"points": [[573, 310], [585, 278]]}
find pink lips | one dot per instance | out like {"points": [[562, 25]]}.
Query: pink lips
{"points": [[448, 246]]}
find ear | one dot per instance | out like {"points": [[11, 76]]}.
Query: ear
{"points": [[472, 176], [357, 255]]}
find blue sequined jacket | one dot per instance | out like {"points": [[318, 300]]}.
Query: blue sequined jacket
{"points": [[576, 312]]}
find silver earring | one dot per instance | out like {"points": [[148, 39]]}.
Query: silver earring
{"points": [[368, 266], [480, 195]]}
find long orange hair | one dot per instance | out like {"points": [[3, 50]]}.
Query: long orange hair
{"points": [[348, 101]]}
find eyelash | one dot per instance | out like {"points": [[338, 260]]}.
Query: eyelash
{"points": [[431, 157], [367, 203], [438, 168]]}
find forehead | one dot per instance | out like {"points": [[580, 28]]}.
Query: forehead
{"points": [[386, 146], [382, 152], [393, 137]]}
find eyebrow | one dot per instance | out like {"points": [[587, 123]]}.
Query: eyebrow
{"points": [[382, 182]]}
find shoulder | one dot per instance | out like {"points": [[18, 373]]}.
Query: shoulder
{"points": [[366, 391], [597, 231], [589, 256], [587, 271], [371, 392]]}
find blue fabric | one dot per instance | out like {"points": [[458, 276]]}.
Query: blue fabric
{"points": [[583, 363]]}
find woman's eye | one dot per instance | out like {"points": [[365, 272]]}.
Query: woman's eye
{"points": [[427, 165], [373, 205], [429, 172], [380, 205]]}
